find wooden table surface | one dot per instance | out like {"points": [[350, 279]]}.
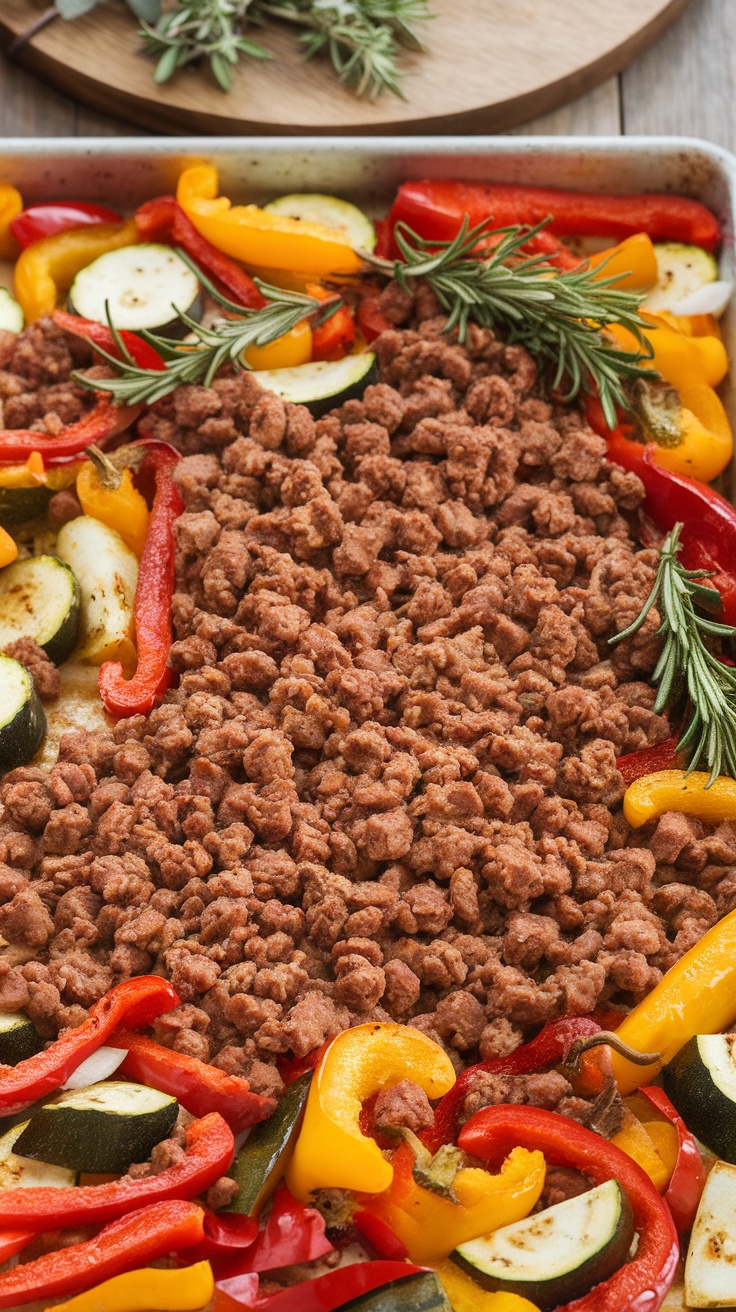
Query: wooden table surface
{"points": [[685, 85]]}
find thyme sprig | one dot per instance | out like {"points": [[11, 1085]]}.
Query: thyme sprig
{"points": [[687, 666], [224, 342], [559, 316]]}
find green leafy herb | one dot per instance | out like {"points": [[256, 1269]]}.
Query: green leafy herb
{"points": [[559, 316], [362, 38], [687, 666], [223, 343]]}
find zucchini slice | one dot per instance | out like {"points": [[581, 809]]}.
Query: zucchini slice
{"points": [[100, 1129], [557, 1255], [330, 212], [22, 718], [39, 599], [710, 1268], [17, 1171], [701, 1082], [23, 497], [142, 286], [19, 1038], [261, 1161], [681, 270], [416, 1293], [323, 384], [11, 314], [107, 572]]}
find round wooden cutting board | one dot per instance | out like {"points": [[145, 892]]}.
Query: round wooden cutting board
{"points": [[489, 65]]}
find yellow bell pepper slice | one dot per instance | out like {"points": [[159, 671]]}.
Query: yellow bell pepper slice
{"points": [[122, 508], [11, 205], [675, 790], [332, 1151], [467, 1296], [634, 1140], [250, 234], [696, 996], [294, 348], [666, 1142], [149, 1289], [430, 1226], [8, 548], [47, 268], [692, 325], [694, 366], [634, 259]]}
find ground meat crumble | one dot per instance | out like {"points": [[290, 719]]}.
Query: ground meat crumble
{"points": [[386, 787]]}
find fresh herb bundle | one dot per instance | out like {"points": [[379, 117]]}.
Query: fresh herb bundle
{"points": [[686, 667], [559, 316], [363, 39], [225, 342]]}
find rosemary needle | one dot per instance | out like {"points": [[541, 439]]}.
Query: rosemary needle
{"points": [[687, 666], [559, 316]]}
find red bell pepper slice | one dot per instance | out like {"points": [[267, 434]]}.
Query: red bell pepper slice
{"points": [[292, 1233], [209, 1152], [106, 420], [708, 538], [550, 1046], [332, 339], [153, 675], [225, 1234], [13, 1241], [380, 1236], [325, 1294], [650, 760], [40, 221], [371, 319], [137, 1001], [437, 209], [642, 1283], [199, 1087], [683, 1192], [101, 336], [292, 1068], [130, 1242], [164, 220]]}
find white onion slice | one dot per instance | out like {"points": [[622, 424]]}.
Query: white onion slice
{"points": [[711, 298], [96, 1067]]}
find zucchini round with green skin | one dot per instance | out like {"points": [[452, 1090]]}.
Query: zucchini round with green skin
{"points": [[39, 599], [415, 1293], [23, 497], [139, 286], [701, 1082], [681, 270], [100, 1129], [19, 1038], [17, 1171], [710, 1268], [22, 718], [107, 572], [260, 1163], [323, 384], [11, 314], [557, 1255], [331, 212]]}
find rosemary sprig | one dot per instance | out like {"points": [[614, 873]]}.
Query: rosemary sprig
{"points": [[687, 666], [223, 343], [362, 38], [559, 316]]}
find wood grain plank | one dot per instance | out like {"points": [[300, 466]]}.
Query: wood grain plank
{"points": [[597, 114], [488, 65], [28, 108], [686, 83]]}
